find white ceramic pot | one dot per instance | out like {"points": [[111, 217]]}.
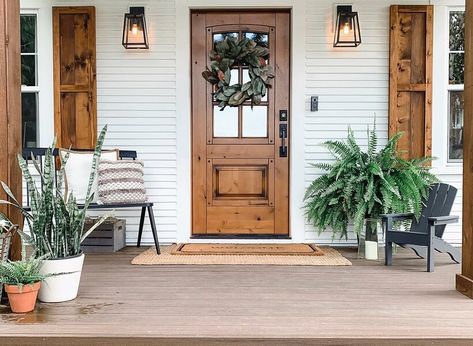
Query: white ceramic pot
{"points": [[64, 287]]}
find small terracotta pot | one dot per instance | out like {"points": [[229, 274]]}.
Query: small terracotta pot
{"points": [[22, 299]]}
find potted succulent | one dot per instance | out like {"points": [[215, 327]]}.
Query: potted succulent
{"points": [[22, 280], [361, 185], [7, 230], [56, 223]]}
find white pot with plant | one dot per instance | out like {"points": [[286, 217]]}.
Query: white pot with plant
{"points": [[56, 223], [359, 186]]}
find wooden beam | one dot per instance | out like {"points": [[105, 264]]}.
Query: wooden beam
{"points": [[10, 108], [464, 281]]}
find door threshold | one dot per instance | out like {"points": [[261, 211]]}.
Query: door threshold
{"points": [[240, 236]]}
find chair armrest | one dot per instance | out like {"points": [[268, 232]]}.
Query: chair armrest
{"points": [[442, 220], [396, 217]]}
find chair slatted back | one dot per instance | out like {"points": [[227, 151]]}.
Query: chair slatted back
{"points": [[439, 203]]}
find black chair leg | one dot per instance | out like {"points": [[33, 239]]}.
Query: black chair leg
{"points": [[431, 251], [140, 230], [388, 253], [153, 229]]}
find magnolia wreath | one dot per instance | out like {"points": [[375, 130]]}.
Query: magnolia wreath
{"points": [[230, 53]]}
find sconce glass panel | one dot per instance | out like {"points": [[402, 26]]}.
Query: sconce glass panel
{"points": [[135, 33], [347, 28]]}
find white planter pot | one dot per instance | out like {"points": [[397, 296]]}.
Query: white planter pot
{"points": [[62, 287]]}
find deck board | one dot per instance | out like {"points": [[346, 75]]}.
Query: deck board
{"points": [[117, 299]]}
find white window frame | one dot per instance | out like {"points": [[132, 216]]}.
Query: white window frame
{"points": [[45, 86], [440, 100], [451, 87], [27, 89]]}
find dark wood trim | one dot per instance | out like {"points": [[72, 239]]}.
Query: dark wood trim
{"points": [[464, 281], [10, 109]]}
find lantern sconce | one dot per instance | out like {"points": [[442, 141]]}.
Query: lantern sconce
{"points": [[347, 28], [135, 34]]}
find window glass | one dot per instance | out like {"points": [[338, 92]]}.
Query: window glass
{"points": [[29, 107], [29, 79], [456, 125], [456, 71]]}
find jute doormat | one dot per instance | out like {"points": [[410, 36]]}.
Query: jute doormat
{"points": [[247, 249], [329, 257]]}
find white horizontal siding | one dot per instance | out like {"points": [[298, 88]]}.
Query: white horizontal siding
{"points": [[352, 85], [136, 98], [138, 95]]}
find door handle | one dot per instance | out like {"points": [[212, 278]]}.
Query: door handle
{"points": [[283, 136]]}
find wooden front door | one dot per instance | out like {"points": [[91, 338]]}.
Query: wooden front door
{"points": [[240, 161]]}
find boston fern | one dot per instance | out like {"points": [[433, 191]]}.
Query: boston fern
{"points": [[55, 221], [365, 184]]}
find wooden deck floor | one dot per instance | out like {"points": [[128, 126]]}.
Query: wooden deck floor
{"points": [[365, 300]]}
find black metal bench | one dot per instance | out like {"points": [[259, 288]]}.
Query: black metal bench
{"points": [[39, 153]]}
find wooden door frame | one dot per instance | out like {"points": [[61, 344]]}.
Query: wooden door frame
{"points": [[282, 101]]}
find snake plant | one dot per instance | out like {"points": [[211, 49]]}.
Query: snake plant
{"points": [[365, 184], [55, 221]]}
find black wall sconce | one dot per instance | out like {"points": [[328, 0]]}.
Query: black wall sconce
{"points": [[347, 28], [135, 34]]}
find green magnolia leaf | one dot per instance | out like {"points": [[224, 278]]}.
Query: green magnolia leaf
{"points": [[230, 53]]}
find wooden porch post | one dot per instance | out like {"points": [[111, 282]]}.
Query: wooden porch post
{"points": [[10, 108], [464, 281]]}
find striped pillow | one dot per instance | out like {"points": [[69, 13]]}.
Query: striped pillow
{"points": [[121, 182]]}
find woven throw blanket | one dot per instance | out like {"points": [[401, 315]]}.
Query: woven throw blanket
{"points": [[121, 182]]}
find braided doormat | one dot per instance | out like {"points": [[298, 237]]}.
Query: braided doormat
{"points": [[329, 257]]}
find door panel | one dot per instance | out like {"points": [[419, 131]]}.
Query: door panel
{"points": [[237, 160]]}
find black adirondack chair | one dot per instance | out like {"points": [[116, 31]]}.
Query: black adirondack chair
{"points": [[425, 235]]}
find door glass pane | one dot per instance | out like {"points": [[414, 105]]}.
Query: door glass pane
{"points": [[234, 79], [28, 33], [29, 119], [260, 39], [225, 122], [246, 78], [456, 125], [217, 38], [255, 121]]}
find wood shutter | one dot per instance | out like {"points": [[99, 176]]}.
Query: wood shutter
{"points": [[410, 78], [75, 106]]}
